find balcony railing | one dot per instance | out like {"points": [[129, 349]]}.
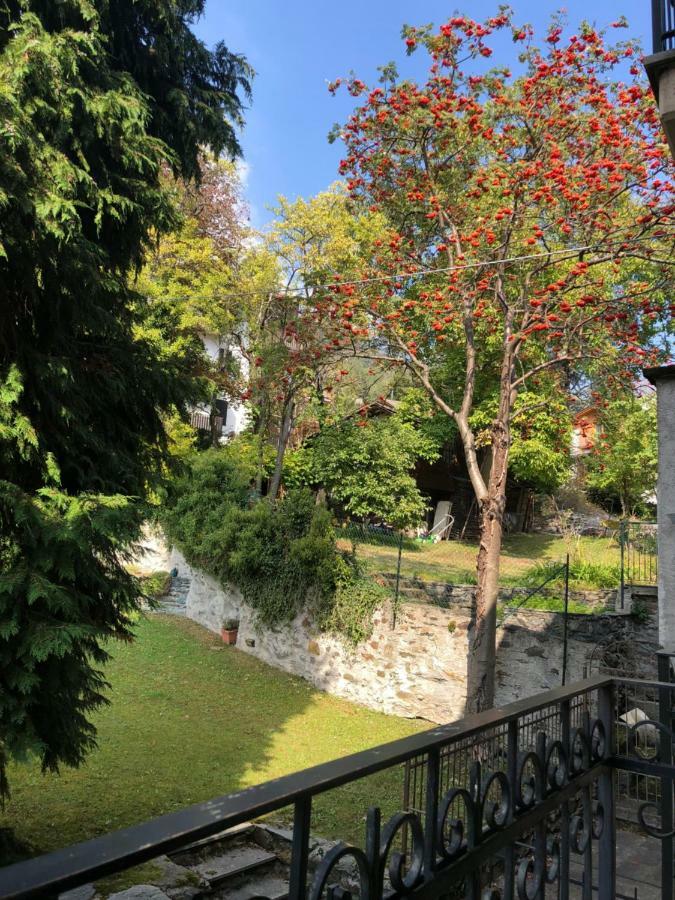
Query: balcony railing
{"points": [[663, 25], [202, 421], [518, 802]]}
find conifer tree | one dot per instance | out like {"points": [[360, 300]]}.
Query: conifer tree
{"points": [[96, 96]]}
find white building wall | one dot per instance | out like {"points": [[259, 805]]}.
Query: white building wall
{"points": [[237, 414]]}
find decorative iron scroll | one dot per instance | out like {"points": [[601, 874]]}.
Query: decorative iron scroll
{"points": [[660, 730], [495, 806], [467, 816]]}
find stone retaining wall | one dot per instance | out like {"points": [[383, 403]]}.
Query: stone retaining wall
{"points": [[418, 590], [417, 668]]}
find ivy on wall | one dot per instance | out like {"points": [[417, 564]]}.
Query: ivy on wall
{"points": [[282, 556]]}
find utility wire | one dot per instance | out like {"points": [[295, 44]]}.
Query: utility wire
{"points": [[424, 273], [455, 268], [462, 266]]}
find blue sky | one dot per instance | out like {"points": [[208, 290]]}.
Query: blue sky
{"points": [[298, 46]]}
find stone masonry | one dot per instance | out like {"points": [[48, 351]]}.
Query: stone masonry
{"points": [[446, 595], [417, 668]]}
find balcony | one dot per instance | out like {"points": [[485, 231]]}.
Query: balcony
{"points": [[546, 797], [660, 65], [202, 421]]}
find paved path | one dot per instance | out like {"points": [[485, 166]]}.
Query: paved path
{"points": [[638, 867]]}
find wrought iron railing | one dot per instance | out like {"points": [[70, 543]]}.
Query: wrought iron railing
{"points": [[663, 25], [518, 802], [638, 542]]}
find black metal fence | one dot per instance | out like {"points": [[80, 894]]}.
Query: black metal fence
{"points": [[390, 564], [663, 25], [518, 802], [379, 536], [639, 555]]}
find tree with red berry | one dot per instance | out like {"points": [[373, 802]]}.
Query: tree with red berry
{"points": [[528, 242]]}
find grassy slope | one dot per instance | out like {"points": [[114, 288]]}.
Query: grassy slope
{"points": [[455, 561], [191, 719]]}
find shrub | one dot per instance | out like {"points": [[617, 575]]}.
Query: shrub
{"points": [[582, 574], [349, 610], [155, 585], [282, 556], [366, 467], [640, 612], [211, 483]]}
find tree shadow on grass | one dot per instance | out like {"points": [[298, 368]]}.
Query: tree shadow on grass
{"points": [[191, 719]]}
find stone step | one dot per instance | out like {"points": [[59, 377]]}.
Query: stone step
{"points": [[236, 861], [273, 887], [219, 840], [173, 609], [180, 582], [174, 602]]}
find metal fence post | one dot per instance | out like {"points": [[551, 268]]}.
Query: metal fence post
{"points": [[565, 734], [431, 812], [607, 847], [565, 617], [622, 542], [657, 26], [512, 774], [398, 577], [302, 821]]}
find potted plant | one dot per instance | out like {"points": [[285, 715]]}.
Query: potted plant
{"points": [[229, 631]]}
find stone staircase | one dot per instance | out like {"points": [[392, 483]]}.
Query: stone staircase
{"points": [[242, 863], [175, 600]]}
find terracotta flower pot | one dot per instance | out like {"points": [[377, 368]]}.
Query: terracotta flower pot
{"points": [[229, 635]]}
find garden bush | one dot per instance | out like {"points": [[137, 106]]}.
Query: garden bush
{"points": [[282, 556], [155, 585], [582, 574]]}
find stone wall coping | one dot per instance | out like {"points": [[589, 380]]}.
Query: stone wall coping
{"points": [[655, 374], [589, 595]]}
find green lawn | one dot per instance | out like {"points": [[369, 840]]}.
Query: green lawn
{"points": [[191, 719], [454, 562]]}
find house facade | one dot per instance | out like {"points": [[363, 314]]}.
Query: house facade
{"points": [[230, 418], [584, 431]]}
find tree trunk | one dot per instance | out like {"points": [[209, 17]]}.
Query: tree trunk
{"points": [[215, 437], [284, 435], [623, 500], [483, 633], [259, 423]]}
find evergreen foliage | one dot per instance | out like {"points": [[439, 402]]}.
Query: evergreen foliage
{"points": [[282, 556], [96, 96]]}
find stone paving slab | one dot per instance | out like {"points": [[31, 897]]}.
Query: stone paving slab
{"points": [[234, 862], [638, 867]]}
